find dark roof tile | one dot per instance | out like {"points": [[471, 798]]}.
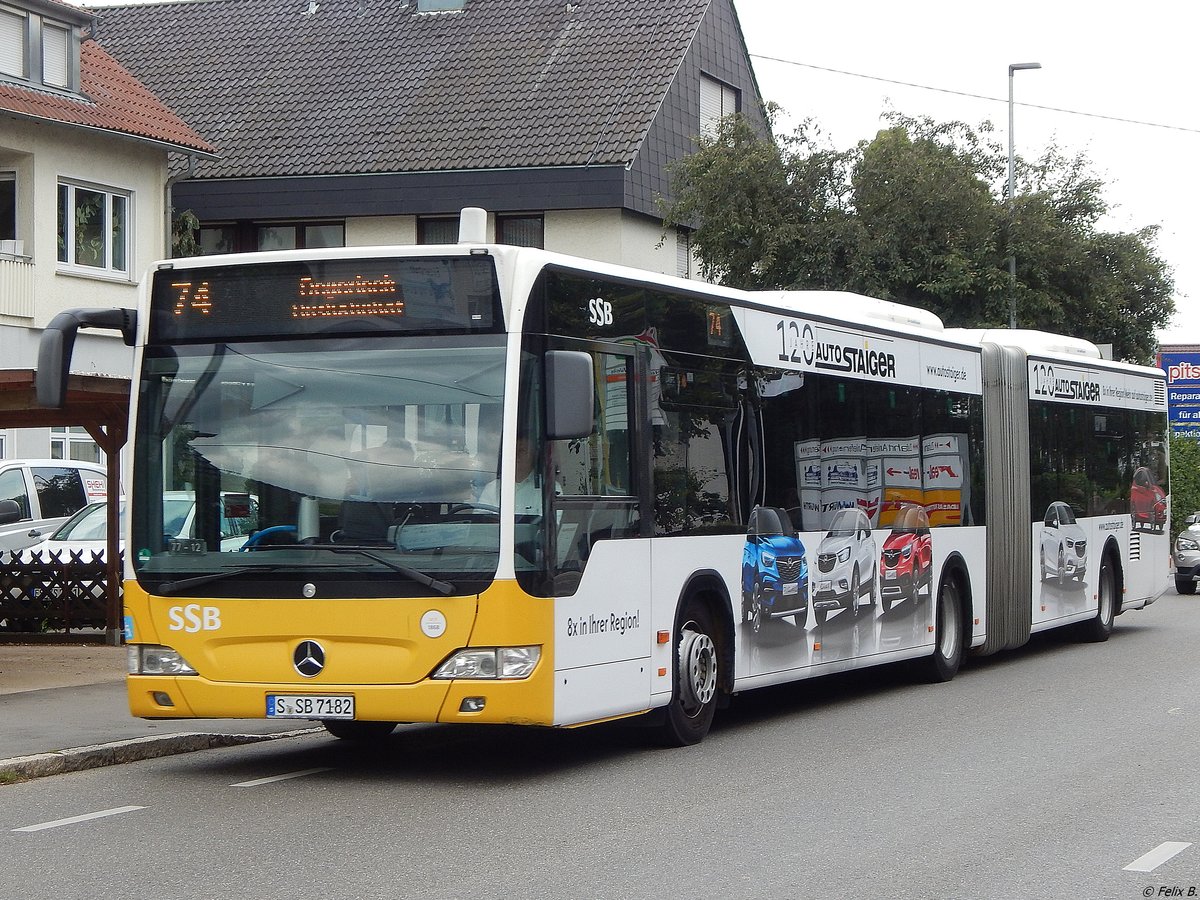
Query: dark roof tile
{"points": [[115, 101], [372, 86]]}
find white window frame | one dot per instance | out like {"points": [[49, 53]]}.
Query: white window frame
{"points": [[9, 176], [14, 43], [717, 100], [107, 269], [64, 439], [683, 253], [56, 55]]}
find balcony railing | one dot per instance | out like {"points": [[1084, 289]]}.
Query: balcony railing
{"points": [[16, 286]]}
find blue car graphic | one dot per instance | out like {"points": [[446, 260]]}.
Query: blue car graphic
{"points": [[774, 569]]}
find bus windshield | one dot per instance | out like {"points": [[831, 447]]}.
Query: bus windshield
{"points": [[354, 466]]}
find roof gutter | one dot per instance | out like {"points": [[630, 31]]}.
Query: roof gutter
{"points": [[169, 204], [112, 132]]}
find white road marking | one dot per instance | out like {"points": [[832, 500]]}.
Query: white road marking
{"points": [[84, 818], [257, 781], [1157, 856]]}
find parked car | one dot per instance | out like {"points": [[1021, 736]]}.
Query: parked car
{"points": [[774, 570], [846, 562], [1187, 559], [70, 559], [44, 493], [80, 536], [1064, 545], [86, 532], [906, 561], [1147, 501], [179, 518]]}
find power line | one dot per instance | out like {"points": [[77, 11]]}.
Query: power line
{"points": [[926, 87]]}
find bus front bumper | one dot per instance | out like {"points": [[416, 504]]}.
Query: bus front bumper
{"points": [[514, 702]]}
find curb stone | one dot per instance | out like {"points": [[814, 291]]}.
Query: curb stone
{"points": [[77, 759]]}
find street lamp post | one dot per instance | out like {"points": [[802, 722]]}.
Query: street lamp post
{"points": [[1012, 256]]}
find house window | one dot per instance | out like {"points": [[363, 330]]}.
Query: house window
{"points": [[521, 231], [717, 100], [8, 206], [217, 239], [93, 228], [56, 65], [437, 230], [301, 236], [683, 253], [38, 50], [13, 43], [439, 5], [73, 443]]}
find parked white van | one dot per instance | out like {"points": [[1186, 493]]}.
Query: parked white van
{"points": [[38, 495]]}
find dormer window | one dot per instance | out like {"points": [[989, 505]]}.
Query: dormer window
{"points": [[40, 51], [14, 42], [56, 55]]}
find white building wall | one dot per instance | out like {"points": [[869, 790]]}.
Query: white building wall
{"points": [[612, 235], [381, 231], [44, 153], [607, 235], [41, 154]]}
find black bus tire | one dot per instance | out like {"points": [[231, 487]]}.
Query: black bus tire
{"points": [[693, 703], [1098, 628], [943, 663]]}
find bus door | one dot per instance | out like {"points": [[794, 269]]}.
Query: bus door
{"points": [[600, 562]]}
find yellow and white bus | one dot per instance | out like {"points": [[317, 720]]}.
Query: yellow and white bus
{"points": [[500, 485]]}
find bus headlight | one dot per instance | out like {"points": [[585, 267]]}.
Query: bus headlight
{"points": [[490, 662], [148, 659]]}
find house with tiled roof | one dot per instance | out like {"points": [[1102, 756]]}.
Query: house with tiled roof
{"points": [[361, 122], [84, 152]]}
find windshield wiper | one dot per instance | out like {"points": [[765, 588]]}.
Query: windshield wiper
{"points": [[445, 588], [170, 587]]}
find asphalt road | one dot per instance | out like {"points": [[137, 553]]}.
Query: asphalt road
{"points": [[1046, 772]]}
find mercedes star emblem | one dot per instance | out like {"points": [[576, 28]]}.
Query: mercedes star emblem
{"points": [[309, 658]]}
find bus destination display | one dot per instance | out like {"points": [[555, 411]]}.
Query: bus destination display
{"points": [[396, 295]]}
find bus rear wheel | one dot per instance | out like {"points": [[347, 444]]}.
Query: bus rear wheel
{"points": [[943, 663], [362, 732], [697, 675], [1099, 628]]}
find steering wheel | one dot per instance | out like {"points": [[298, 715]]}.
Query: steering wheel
{"points": [[258, 536]]}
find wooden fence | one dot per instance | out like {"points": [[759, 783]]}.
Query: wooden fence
{"points": [[42, 592]]}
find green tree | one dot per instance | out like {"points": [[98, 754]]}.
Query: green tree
{"points": [[930, 222], [185, 233], [919, 215], [768, 215], [1185, 480]]}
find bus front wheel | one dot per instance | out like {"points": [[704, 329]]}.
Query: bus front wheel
{"points": [[697, 669]]}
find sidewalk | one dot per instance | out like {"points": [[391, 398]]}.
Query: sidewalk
{"points": [[63, 708]]}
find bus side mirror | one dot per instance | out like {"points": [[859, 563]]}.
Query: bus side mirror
{"points": [[570, 394], [58, 343]]}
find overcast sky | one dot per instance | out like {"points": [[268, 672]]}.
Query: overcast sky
{"points": [[1130, 62]]}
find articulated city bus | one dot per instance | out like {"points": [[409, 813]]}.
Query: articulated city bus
{"points": [[499, 485]]}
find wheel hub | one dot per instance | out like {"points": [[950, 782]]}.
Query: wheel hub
{"points": [[697, 669]]}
